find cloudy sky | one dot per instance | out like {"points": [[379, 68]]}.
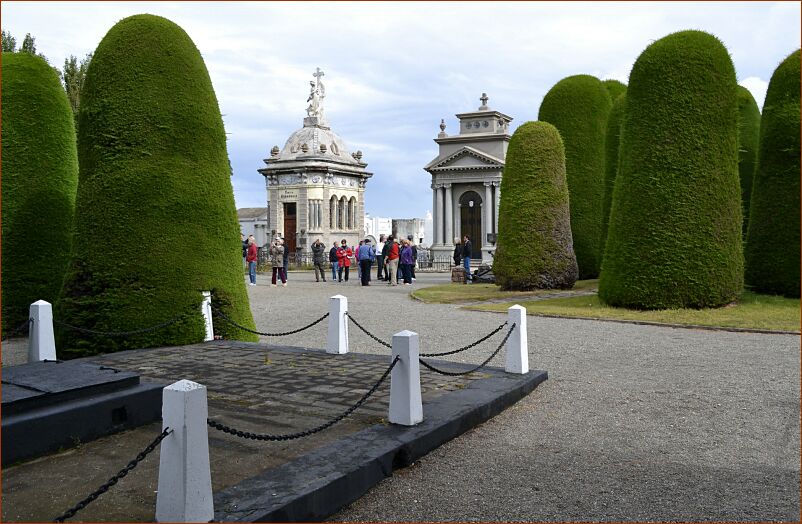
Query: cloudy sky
{"points": [[394, 69]]}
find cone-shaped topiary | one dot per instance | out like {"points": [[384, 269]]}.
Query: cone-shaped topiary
{"points": [[748, 135], [535, 249], [40, 177], [772, 245], [674, 239], [578, 107], [615, 88], [155, 217], [611, 161]]}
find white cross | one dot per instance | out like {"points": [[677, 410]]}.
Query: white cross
{"points": [[318, 74], [484, 99]]}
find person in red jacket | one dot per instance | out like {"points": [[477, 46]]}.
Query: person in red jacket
{"points": [[392, 261], [344, 254], [250, 258]]}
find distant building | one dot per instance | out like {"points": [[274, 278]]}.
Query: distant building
{"points": [[253, 221], [406, 227], [466, 176], [315, 187], [377, 226]]}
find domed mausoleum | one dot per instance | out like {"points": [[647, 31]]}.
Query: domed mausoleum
{"points": [[315, 186]]}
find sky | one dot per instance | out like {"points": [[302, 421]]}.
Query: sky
{"points": [[394, 69]]}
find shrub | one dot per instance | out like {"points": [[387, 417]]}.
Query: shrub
{"points": [[156, 221], [611, 144], [674, 239], [578, 107], [39, 180], [614, 88], [772, 247], [535, 249], [748, 135]]}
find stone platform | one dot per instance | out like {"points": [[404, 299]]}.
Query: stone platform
{"points": [[266, 389], [54, 405]]}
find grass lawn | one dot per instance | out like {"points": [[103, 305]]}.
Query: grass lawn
{"points": [[455, 293], [752, 311]]}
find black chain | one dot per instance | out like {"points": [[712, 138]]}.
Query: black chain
{"points": [[469, 346], [368, 333], [292, 436], [123, 333], [230, 321], [17, 330], [113, 480], [480, 366]]}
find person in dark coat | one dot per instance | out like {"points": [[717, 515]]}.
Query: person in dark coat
{"points": [[286, 260], [335, 262], [467, 250], [380, 258], [319, 260]]}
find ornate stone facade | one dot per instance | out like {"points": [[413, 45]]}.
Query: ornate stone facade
{"points": [[315, 187], [466, 177]]}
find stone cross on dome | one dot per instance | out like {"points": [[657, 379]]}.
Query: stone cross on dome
{"points": [[484, 100], [316, 95]]}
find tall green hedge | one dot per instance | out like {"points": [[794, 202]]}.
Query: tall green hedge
{"points": [[748, 136], [615, 88], [578, 106], [773, 245], [155, 217], [535, 249], [674, 239], [611, 144], [39, 180]]}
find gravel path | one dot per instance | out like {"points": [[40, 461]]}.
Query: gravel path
{"points": [[635, 422]]}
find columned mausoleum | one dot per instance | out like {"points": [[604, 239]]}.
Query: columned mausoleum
{"points": [[315, 186], [466, 177]]}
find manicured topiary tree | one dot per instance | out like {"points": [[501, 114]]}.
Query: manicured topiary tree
{"points": [[611, 161], [772, 241], [578, 106], [748, 135], [674, 239], [39, 180], [535, 249], [614, 88], [155, 217]]}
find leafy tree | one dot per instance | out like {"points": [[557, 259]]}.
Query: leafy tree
{"points": [[674, 238], [28, 44], [73, 76], [155, 217], [40, 177], [534, 239], [9, 43], [773, 239], [578, 106]]}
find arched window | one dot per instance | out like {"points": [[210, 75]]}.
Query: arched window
{"points": [[341, 212], [352, 213], [332, 212]]}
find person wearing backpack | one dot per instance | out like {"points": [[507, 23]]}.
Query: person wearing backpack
{"points": [[365, 255]]}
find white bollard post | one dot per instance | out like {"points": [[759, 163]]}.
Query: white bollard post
{"points": [[41, 340], [185, 481], [206, 311], [337, 340], [405, 397], [517, 346]]}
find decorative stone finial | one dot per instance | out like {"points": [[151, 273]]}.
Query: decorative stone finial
{"points": [[358, 155], [442, 133], [484, 100], [274, 151]]}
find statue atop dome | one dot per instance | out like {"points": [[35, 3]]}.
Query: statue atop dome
{"points": [[316, 95]]}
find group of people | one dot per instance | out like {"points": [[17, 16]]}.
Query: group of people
{"points": [[395, 260]]}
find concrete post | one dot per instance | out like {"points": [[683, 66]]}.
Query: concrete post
{"points": [[185, 481], [517, 347], [405, 397], [337, 340], [206, 311], [41, 340]]}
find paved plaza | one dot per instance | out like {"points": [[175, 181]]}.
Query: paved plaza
{"points": [[635, 422]]}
